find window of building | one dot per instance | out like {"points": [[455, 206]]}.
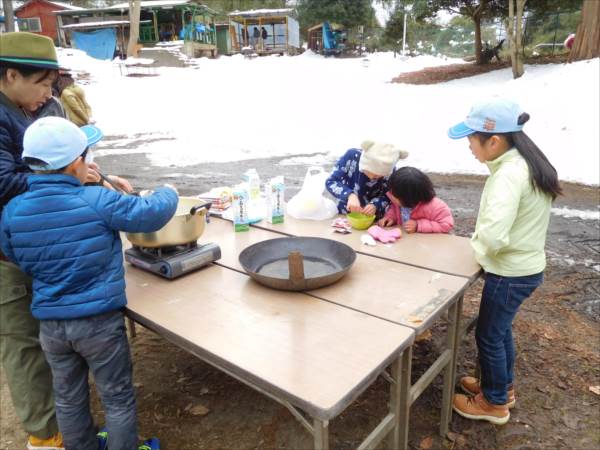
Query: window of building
{"points": [[31, 24]]}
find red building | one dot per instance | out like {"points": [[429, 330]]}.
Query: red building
{"points": [[37, 16]]}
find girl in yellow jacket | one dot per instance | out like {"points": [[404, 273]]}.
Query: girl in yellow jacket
{"points": [[508, 242], [73, 100]]}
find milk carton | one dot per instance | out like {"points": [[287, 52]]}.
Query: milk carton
{"points": [[274, 198], [255, 209], [240, 207]]}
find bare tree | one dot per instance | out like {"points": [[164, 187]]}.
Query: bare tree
{"points": [[134, 27], [9, 15], [515, 34], [587, 38]]}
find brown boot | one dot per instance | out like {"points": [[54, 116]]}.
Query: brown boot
{"points": [[478, 408], [471, 386]]}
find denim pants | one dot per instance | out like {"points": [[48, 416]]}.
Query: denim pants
{"points": [[500, 301], [74, 347]]}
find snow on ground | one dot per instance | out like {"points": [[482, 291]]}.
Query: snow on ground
{"points": [[577, 213], [236, 108]]}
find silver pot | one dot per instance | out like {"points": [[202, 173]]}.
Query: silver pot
{"points": [[187, 225]]}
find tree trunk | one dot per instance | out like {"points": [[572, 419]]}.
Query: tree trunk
{"points": [[9, 15], [134, 27], [519, 41], [515, 34], [478, 48], [510, 28], [587, 38]]}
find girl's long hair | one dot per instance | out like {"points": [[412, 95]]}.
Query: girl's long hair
{"points": [[542, 174]]}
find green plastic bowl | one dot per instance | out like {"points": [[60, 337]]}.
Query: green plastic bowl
{"points": [[360, 221]]}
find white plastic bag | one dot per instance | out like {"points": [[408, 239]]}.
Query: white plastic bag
{"points": [[310, 203]]}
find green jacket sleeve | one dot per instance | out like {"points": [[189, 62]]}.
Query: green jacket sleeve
{"points": [[498, 212]]}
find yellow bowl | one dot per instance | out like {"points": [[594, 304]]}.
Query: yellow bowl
{"points": [[360, 221]]}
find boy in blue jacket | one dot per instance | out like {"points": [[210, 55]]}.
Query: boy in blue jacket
{"points": [[66, 236]]}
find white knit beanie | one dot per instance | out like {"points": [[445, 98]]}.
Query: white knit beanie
{"points": [[379, 158]]}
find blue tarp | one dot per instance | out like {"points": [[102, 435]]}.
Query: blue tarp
{"points": [[99, 44], [329, 42]]}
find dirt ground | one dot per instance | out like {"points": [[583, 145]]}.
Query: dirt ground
{"points": [[191, 405], [440, 74]]}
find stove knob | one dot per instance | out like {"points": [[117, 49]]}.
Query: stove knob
{"points": [[163, 270]]}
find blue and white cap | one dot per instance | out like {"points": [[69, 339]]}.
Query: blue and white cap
{"points": [[57, 141], [491, 116]]}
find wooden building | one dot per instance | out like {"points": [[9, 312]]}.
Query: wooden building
{"points": [[265, 31], [160, 20], [39, 16]]}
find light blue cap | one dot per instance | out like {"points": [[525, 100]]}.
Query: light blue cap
{"points": [[491, 116], [57, 141]]}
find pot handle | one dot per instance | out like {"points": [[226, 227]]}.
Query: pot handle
{"points": [[195, 209], [296, 268]]}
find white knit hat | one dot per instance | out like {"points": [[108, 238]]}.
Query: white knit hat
{"points": [[379, 158]]}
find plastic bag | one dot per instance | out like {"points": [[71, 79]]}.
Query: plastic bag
{"points": [[310, 203]]}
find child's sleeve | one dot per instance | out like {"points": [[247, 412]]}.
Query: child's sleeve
{"points": [[136, 214], [338, 182], [496, 219], [390, 214], [382, 201], [441, 220]]}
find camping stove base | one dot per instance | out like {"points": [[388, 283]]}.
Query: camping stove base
{"points": [[172, 262]]}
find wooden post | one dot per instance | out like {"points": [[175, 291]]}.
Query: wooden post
{"points": [[62, 40], [286, 36], [155, 21]]}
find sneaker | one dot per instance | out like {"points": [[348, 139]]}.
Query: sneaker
{"points": [[52, 443], [102, 437], [478, 408], [150, 444], [471, 386]]}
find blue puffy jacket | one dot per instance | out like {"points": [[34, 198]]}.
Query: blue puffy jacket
{"points": [[13, 172], [66, 237]]}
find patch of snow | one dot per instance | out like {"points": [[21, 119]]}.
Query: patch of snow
{"points": [[578, 213], [234, 108]]}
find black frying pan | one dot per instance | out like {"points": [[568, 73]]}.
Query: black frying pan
{"points": [[297, 263]]}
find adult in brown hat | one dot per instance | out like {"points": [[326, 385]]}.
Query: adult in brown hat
{"points": [[28, 67]]}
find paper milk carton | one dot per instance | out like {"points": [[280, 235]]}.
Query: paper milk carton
{"points": [[240, 207], [274, 198]]}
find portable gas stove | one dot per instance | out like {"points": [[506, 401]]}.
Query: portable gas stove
{"points": [[172, 262]]}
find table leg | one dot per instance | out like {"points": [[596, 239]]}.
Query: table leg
{"points": [[132, 332], [400, 400], [321, 434], [450, 371]]}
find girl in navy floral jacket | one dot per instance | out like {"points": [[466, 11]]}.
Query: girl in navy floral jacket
{"points": [[359, 179]]}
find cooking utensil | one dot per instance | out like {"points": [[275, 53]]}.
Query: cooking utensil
{"points": [[297, 263], [187, 225], [360, 221]]}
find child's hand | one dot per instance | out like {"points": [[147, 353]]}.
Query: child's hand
{"points": [[353, 204], [369, 210], [121, 183], [92, 176], [410, 226], [385, 222]]}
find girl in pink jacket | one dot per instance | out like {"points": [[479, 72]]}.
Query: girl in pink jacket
{"points": [[414, 204]]}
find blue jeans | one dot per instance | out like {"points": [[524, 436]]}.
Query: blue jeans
{"points": [[500, 301], [72, 348]]}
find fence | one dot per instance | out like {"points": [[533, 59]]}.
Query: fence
{"points": [[543, 34]]}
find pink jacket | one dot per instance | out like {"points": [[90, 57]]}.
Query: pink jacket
{"points": [[432, 217]]}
